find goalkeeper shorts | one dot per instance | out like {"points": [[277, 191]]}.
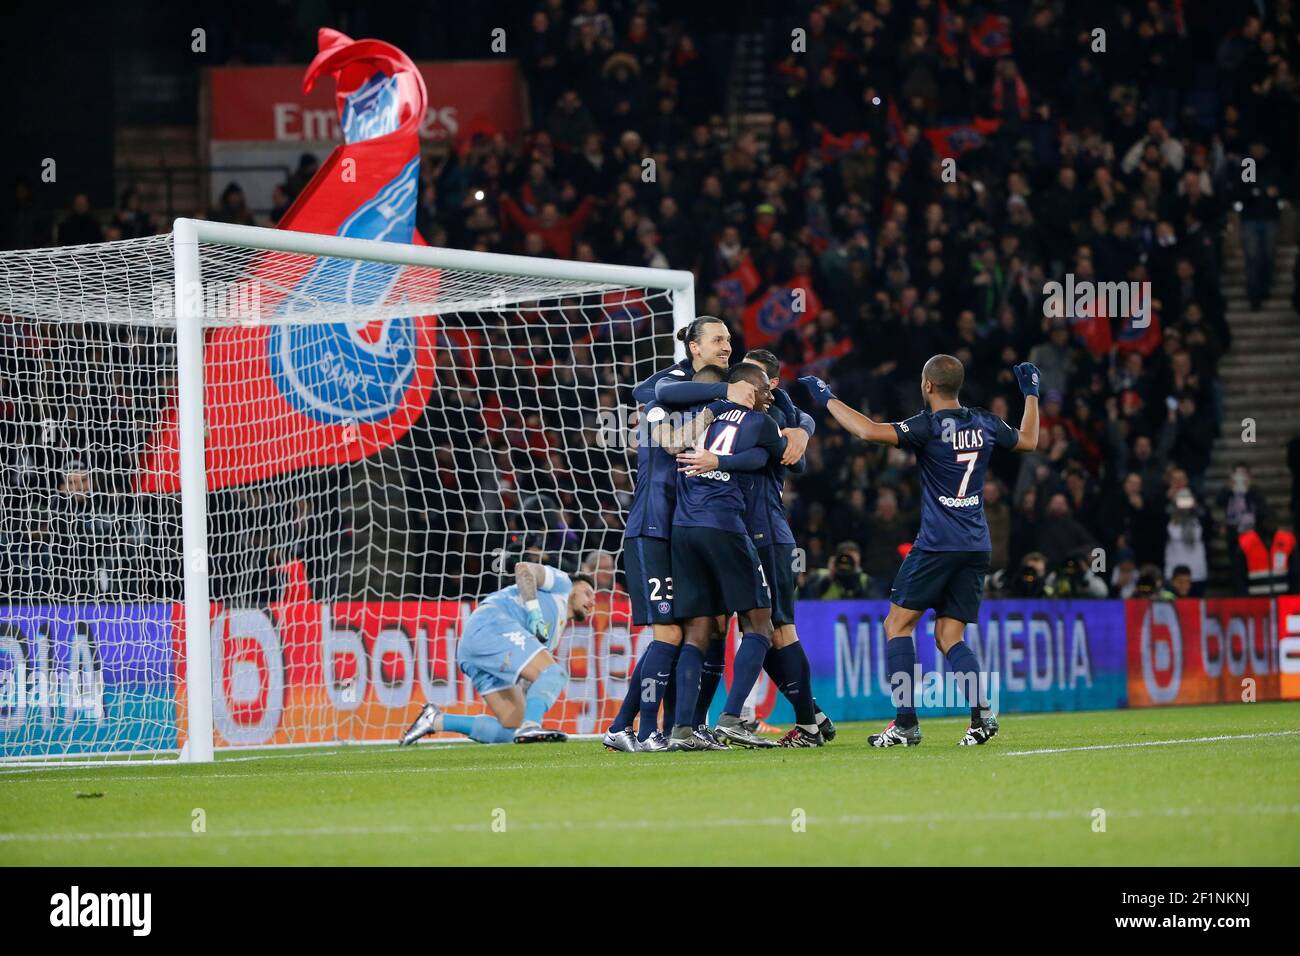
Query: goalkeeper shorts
{"points": [[493, 649]]}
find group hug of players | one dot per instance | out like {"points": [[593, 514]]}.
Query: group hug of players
{"points": [[707, 537]]}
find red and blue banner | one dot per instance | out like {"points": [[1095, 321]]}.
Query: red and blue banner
{"points": [[1144, 338], [954, 140], [735, 288], [991, 36], [281, 395], [780, 309]]}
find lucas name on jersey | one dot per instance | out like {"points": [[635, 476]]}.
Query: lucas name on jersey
{"points": [[968, 438]]}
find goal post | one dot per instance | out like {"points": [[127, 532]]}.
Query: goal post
{"points": [[332, 447]]}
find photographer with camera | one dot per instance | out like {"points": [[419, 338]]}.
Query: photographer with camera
{"points": [[842, 580]]}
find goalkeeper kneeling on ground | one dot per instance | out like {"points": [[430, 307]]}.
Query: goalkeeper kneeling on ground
{"points": [[503, 651]]}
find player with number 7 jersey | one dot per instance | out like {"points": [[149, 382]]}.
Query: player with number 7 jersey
{"points": [[945, 568]]}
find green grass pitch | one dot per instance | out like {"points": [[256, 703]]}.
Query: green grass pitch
{"points": [[1207, 802]]}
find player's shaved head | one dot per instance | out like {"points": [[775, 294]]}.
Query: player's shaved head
{"points": [[710, 374], [945, 373], [755, 375], [744, 372]]}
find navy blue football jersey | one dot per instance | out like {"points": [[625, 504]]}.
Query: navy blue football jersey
{"points": [[644, 393], [716, 499], [765, 516], [655, 492], [953, 447]]}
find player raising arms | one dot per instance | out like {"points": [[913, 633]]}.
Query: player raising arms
{"points": [[946, 567], [716, 568], [503, 645]]}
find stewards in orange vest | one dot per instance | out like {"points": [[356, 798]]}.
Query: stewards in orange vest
{"points": [[1268, 565]]}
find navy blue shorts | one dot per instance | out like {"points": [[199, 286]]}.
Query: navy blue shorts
{"points": [[951, 582], [648, 573], [716, 572], [778, 566]]}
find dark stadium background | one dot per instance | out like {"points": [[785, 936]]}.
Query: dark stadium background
{"points": [[1123, 165]]}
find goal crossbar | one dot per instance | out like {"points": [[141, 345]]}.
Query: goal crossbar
{"points": [[150, 281]]}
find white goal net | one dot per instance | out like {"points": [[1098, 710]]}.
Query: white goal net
{"points": [[385, 430]]}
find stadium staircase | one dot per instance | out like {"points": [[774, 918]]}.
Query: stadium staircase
{"points": [[1259, 377], [748, 88]]}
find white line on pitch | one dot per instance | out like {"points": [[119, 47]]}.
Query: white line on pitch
{"points": [[994, 816], [1150, 743]]}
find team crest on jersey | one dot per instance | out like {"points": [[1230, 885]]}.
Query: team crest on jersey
{"points": [[665, 607]]}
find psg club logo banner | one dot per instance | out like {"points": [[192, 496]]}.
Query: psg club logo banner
{"points": [[281, 395], [780, 309]]}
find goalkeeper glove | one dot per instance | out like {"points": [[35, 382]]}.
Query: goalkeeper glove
{"points": [[1027, 376], [819, 390], [536, 624]]}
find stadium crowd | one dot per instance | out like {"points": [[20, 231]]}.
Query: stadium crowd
{"points": [[1114, 166]]}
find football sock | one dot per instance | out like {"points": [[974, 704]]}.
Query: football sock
{"points": [[715, 665], [484, 728], [631, 700], [544, 692], [657, 664], [966, 669], [488, 730], [670, 694], [798, 677], [690, 662], [900, 659], [772, 667], [749, 661]]}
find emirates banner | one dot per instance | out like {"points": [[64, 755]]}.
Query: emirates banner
{"points": [[260, 119]]}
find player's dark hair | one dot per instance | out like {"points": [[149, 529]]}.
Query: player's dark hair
{"points": [[946, 374], [747, 373], [695, 331], [710, 374], [583, 576], [771, 364]]}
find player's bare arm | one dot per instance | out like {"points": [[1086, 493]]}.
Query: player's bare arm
{"points": [[1027, 376], [854, 422], [529, 577], [676, 440]]}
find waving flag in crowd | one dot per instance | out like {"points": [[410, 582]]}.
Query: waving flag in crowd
{"points": [[991, 36], [779, 309], [288, 395], [738, 285], [955, 140]]}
